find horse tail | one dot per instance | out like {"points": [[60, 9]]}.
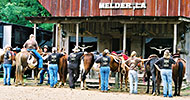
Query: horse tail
{"points": [[180, 71]]}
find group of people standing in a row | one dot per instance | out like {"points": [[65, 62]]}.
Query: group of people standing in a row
{"points": [[164, 65], [49, 63]]}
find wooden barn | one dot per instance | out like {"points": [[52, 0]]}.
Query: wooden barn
{"points": [[141, 25]]}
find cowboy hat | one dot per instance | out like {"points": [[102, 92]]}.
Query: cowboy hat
{"points": [[166, 54], [7, 46], [45, 46], [76, 49], [106, 51], [54, 49]]}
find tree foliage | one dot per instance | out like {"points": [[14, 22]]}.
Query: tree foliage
{"points": [[15, 11]]}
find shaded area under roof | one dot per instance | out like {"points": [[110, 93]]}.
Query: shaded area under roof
{"points": [[122, 19]]}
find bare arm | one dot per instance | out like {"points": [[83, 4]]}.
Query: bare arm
{"points": [[157, 67]]}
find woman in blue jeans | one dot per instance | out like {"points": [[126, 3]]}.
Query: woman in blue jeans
{"points": [[7, 65], [165, 67], [53, 61], [104, 70]]}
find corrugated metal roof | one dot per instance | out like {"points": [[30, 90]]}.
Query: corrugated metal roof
{"points": [[91, 8]]}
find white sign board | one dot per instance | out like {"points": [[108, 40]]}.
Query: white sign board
{"points": [[122, 5]]}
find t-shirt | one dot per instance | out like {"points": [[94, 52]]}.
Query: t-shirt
{"points": [[104, 61], [54, 58], [8, 58], [133, 62], [74, 59], [165, 63]]}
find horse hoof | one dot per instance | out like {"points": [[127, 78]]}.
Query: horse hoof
{"points": [[154, 94], [16, 85], [99, 88], [82, 88]]}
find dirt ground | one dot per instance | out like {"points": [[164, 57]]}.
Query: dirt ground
{"points": [[45, 93]]}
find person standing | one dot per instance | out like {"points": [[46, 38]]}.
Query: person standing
{"points": [[32, 45], [104, 70], [133, 74], [165, 67], [45, 55], [73, 66], [53, 60], [7, 65]]}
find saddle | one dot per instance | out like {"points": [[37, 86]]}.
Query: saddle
{"points": [[32, 60]]}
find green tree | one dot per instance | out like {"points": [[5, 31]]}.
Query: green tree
{"points": [[15, 11]]}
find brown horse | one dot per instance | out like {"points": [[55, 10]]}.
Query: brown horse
{"points": [[115, 66], [62, 70], [178, 72], [25, 60], [88, 60]]}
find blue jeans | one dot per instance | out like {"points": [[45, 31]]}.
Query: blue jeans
{"points": [[42, 74], [40, 60], [104, 75], [53, 69], [166, 75], [7, 73], [133, 76]]}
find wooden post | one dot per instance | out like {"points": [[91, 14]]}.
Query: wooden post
{"points": [[77, 34], [35, 30], [117, 80], [56, 35], [35, 38], [59, 37], [187, 58], [124, 38], [175, 39]]}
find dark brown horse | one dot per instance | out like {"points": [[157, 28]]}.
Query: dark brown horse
{"points": [[25, 60], [62, 70], [88, 60], [150, 70], [178, 72]]}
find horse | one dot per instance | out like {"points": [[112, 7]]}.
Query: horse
{"points": [[115, 66], [178, 72], [25, 60], [150, 70], [88, 60], [62, 70]]}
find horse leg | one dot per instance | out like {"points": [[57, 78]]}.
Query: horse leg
{"points": [[17, 77], [153, 84], [121, 82], [81, 82], [175, 82], [158, 81], [126, 78], [179, 85], [148, 84], [99, 81], [60, 79]]}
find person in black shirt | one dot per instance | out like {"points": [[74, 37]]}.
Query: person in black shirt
{"points": [[7, 65], [104, 70], [165, 67], [53, 60], [45, 55], [73, 66]]}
